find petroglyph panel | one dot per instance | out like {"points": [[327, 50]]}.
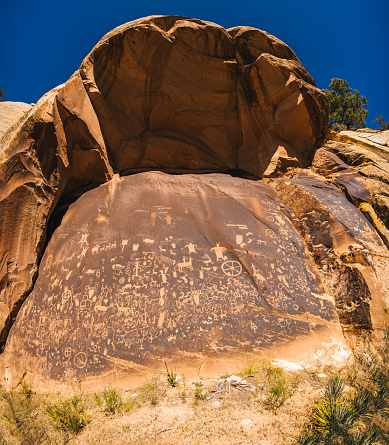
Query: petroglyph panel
{"points": [[152, 265]]}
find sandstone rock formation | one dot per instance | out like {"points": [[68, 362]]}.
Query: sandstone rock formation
{"points": [[153, 265], [254, 235], [157, 93], [10, 113]]}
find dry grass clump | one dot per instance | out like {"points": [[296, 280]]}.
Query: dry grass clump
{"points": [[25, 418], [276, 384]]}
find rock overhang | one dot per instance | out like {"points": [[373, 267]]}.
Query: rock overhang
{"points": [[184, 96]]}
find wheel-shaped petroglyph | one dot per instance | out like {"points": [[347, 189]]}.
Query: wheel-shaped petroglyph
{"points": [[80, 360], [67, 352], [232, 268]]}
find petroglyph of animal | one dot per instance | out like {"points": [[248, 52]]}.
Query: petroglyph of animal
{"points": [[185, 264]]}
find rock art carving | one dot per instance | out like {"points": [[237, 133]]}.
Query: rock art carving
{"points": [[147, 303], [291, 261], [167, 93]]}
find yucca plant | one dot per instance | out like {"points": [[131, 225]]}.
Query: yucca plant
{"points": [[334, 416], [371, 436], [358, 419]]}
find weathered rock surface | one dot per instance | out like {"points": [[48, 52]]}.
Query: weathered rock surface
{"points": [[366, 181], [10, 113], [201, 269], [195, 269], [164, 93], [346, 248]]}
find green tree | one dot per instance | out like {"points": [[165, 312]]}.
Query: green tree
{"points": [[383, 125], [2, 94], [346, 106]]}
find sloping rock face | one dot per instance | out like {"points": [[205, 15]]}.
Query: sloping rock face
{"points": [[10, 113], [164, 93], [349, 252], [255, 237], [190, 268]]}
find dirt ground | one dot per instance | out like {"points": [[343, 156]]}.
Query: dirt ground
{"points": [[232, 416]]}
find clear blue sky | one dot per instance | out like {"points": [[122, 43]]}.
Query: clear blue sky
{"points": [[43, 42]]}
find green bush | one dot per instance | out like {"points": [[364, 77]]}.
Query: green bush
{"points": [[149, 391], [279, 386], [183, 392], [171, 377], [110, 401], [198, 393], [249, 368], [69, 415]]}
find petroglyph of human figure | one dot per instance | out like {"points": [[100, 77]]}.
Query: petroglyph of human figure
{"points": [[162, 292], [124, 244], [163, 276], [82, 255], [219, 251], [84, 238], [196, 296], [136, 269], [191, 247], [169, 220], [153, 216]]}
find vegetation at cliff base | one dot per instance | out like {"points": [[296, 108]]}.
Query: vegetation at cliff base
{"points": [[261, 404], [346, 106], [354, 409]]}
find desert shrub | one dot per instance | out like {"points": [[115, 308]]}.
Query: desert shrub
{"points": [[110, 401], [339, 127], [249, 368], [383, 125], [19, 411], [198, 393], [171, 377], [69, 415], [183, 392], [149, 391], [279, 386]]}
